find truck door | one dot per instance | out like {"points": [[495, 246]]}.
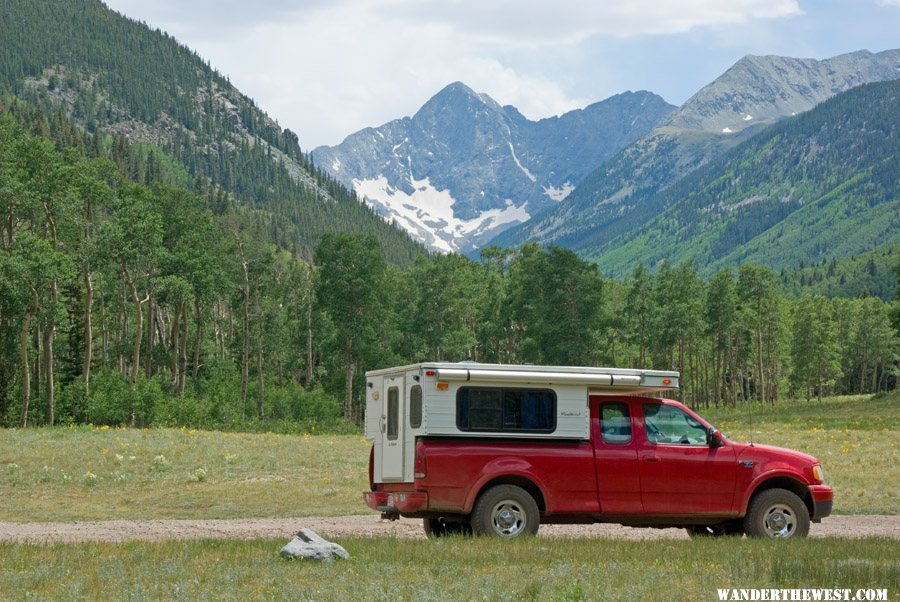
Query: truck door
{"points": [[615, 457], [392, 428], [680, 472]]}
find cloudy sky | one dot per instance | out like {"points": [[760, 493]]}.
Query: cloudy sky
{"points": [[327, 68]]}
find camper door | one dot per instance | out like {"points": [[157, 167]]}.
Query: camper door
{"points": [[393, 427]]}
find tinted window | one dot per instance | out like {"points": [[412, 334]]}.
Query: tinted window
{"points": [[672, 426], [615, 425], [393, 417], [502, 409], [415, 406]]}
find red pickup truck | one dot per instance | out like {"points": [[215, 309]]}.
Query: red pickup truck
{"points": [[514, 458]]}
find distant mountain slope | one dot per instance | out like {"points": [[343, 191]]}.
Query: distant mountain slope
{"points": [[116, 74], [820, 185], [463, 168], [753, 93]]}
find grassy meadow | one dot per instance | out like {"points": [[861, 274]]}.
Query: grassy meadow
{"points": [[86, 473], [447, 569], [100, 473]]}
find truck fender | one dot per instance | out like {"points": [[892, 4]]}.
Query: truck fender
{"points": [[798, 484], [516, 469]]}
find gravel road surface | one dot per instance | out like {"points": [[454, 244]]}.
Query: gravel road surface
{"points": [[369, 525]]}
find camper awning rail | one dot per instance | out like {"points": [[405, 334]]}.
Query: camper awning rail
{"points": [[599, 380], [532, 377]]}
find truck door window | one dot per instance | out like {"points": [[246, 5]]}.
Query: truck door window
{"points": [[615, 424], [502, 409], [415, 406], [669, 425], [393, 412]]}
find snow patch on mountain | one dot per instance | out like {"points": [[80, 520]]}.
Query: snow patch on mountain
{"points": [[559, 194], [524, 169], [427, 213]]}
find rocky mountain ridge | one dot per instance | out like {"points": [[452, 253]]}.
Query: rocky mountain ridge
{"points": [[464, 168], [757, 91]]}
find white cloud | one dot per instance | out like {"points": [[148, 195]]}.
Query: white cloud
{"points": [[328, 68], [889, 2], [571, 21]]}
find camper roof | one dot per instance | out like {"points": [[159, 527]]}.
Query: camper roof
{"points": [[600, 380]]}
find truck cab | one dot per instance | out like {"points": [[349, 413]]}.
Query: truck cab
{"points": [[498, 449]]}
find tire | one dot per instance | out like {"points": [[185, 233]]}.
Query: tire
{"points": [[505, 511], [777, 513], [719, 530], [436, 527]]}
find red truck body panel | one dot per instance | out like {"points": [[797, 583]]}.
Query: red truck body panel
{"points": [[635, 478]]}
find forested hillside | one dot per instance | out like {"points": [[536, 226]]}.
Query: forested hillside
{"points": [[131, 302], [820, 185], [868, 274], [168, 256], [116, 75]]}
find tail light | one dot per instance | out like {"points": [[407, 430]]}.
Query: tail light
{"points": [[372, 469], [421, 466]]}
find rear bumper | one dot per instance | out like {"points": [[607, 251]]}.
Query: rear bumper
{"points": [[823, 500], [397, 502]]}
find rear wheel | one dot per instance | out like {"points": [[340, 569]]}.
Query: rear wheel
{"points": [[777, 513], [505, 511], [438, 527]]}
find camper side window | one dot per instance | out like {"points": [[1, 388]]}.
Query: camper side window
{"points": [[505, 409], [415, 406]]}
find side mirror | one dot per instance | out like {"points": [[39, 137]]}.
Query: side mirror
{"points": [[714, 437]]}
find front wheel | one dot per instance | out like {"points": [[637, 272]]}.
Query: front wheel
{"points": [[505, 511], [777, 513]]}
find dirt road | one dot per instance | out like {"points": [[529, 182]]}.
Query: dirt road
{"points": [[370, 525]]}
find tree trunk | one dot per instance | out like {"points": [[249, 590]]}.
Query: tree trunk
{"points": [[182, 353], [138, 333], [348, 384], [309, 331], [175, 338], [260, 376], [50, 327], [761, 381], [49, 338], [195, 368], [37, 370], [88, 330], [151, 321], [26, 368], [245, 343]]}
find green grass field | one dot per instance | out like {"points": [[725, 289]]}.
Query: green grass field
{"points": [[446, 569], [86, 473]]}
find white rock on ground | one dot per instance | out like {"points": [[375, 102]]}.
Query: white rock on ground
{"points": [[307, 544]]}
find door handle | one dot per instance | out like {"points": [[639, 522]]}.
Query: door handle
{"points": [[383, 423], [651, 459]]}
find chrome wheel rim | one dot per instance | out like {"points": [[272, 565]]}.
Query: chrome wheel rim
{"points": [[508, 518], [780, 521]]}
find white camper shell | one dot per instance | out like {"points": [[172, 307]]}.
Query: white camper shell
{"points": [[468, 399]]}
